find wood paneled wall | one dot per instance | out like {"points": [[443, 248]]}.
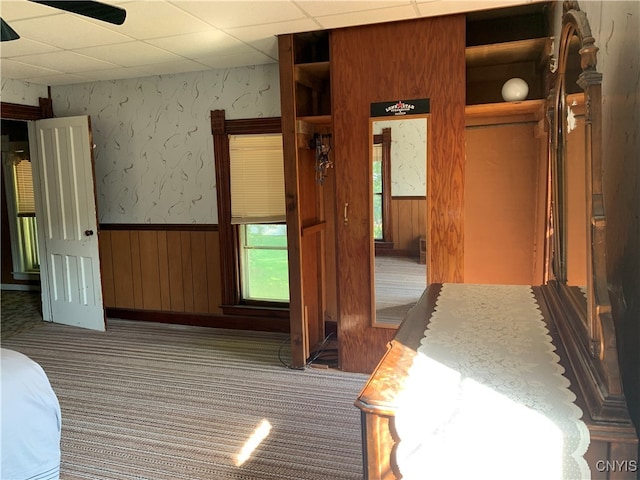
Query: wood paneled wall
{"points": [[409, 224], [170, 269], [394, 61], [504, 203]]}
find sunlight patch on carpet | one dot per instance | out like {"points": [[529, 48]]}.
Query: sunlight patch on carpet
{"points": [[259, 434]]}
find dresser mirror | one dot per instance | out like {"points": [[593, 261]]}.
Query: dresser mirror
{"points": [[578, 218], [570, 180], [398, 211]]}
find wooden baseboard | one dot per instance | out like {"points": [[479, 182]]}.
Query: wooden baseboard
{"points": [[239, 322]]}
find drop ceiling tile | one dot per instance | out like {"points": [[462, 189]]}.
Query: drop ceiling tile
{"points": [[24, 46], [65, 79], [221, 61], [322, 8], [434, 8], [65, 61], [67, 32], [268, 46], [18, 70], [201, 44], [256, 34], [113, 74], [264, 37], [19, 9], [380, 15], [132, 54], [178, 66], [231, 14], [163, 19]]}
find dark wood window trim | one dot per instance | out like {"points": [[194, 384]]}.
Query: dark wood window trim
{"points": [[16, 111], [384, 139], [228, 233]]}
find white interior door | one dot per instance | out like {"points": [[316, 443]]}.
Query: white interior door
{"points": [[66, 215]]}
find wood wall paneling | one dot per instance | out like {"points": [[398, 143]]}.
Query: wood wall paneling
{"points": [[150, 270], [136, 269], [501, 204], [176, 283], [106, 268], [122, 269], [416, 57], [214, 295], [409, 224], [199, 272], [187, 271], [161, 270]]}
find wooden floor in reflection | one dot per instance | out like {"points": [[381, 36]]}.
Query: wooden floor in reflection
{"points": [[399, 283]]}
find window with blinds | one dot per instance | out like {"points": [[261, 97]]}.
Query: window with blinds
{"points": [[257, 179], [25, 199], [21, 207]]}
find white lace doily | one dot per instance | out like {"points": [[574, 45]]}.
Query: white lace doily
{"points": [[486, 396]]}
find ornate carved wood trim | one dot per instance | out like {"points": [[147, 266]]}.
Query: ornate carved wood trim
{"points": [[591, 342]]}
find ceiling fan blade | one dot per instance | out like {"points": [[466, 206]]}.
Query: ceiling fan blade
{"points": [[98, 10], [7, 32]]}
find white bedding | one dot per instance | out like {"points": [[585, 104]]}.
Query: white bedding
{"points": [[30, 420]]}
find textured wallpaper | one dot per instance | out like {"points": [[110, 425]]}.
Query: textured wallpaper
{"points": [[153, 145], [24, 93], [408, 155]]}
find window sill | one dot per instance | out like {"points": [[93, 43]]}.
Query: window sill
{"points": [[25, 276]]}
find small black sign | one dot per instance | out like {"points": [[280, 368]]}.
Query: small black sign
{"points": [[418, 106]]}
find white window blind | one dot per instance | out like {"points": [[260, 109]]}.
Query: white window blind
{"points": [[257, 178], [25, 200]]}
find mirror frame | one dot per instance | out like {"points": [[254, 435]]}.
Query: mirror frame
{"points": [[591, 332], [427, 118]]}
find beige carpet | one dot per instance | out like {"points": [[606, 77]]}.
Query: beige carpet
{"points": [[399, 284], [19, 311], [156, 401]]}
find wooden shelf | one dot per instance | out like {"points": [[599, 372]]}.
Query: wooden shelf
{"points": [[535, 49], [490, 113], [320, 120], [504, 108], [312, 75], [319, 69]]}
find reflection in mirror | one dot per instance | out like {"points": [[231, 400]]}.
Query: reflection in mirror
{"points": [[398, 209], [572, 193], [575, 184]]}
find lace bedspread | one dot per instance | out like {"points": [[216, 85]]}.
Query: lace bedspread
{"points": [[486, 396]]}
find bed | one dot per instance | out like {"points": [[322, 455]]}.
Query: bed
{"points": [[31, 420]]}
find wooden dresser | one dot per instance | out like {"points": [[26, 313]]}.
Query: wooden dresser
{"points": [[612, 451]]}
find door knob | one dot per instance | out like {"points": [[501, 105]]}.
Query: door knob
{"points": [[88, 233]]}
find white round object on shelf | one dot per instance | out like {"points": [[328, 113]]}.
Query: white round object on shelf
{"points": [[515, 90]]}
